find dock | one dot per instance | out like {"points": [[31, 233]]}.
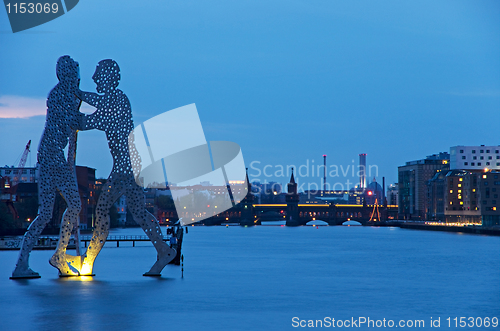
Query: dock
{"points": [[86, 239]]}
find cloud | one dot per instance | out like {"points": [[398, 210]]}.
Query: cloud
{"points": [[12, 106]]}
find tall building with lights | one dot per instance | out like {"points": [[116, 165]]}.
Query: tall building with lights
{"points": [[412, 183]]}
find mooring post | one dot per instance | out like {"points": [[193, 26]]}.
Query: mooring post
{"points": [[182, 266]]}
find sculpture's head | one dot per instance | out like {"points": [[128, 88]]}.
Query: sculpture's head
{"points": [[107, 76], [68, 70]]}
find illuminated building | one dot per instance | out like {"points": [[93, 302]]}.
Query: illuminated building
{"points": [[392, 194], [23, 175], [412, 180], [488, 201], [472, 197], [374, 192], [436, 188]]}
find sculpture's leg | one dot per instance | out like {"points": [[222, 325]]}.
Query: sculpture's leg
{"points": [[69, 221], [110, 193], [47, 199], [137, 206]]}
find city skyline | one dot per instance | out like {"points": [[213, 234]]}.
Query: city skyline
{"points": [[288, 82]]}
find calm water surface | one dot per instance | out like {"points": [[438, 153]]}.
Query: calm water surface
{"points": [[259, 278]]}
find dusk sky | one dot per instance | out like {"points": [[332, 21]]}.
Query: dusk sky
{"points": [[288, 81]]}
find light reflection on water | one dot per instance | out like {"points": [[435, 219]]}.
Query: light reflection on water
{"points": [[260, 277]]}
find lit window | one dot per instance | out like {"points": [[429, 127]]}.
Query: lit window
{"points": [[451, 191], [459, 191], [459, 185], [461, 202], [451, 202], [485, 176], [461, 179]]}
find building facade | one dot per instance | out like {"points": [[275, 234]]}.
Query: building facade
{"points": [[473, 197], [393, 194], [475, 157], [21, 175], [412, 182], [436, 188]]}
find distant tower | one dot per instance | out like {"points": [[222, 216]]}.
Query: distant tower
{"points": [[324, 173], [362, 171], [292, 203]]}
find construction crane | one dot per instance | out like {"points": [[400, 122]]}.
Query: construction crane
{"points": [[21, 165], [11, 189]]}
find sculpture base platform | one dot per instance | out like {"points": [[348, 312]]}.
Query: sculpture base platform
{"points": [[67, 276], [73, 276], [25, 277], [147, 274]]}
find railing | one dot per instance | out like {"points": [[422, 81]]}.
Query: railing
{"points": [[110, 238], [123, 238]]}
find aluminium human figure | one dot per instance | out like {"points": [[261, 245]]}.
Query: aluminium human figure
{"points": [[114, 117], [56, 172]]}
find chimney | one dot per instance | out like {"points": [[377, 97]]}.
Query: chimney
{"points": [[324, 173], [362, 171]]}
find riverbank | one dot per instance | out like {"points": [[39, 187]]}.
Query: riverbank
{"points": [[457, 229]]}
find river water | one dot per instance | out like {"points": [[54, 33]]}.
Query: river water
{"points": [[260, 278]]}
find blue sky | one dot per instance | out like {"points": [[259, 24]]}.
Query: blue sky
{"points": [[288, 81]]}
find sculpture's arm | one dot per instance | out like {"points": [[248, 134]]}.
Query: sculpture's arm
{"points": [[89, 97], [95, 120]]}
